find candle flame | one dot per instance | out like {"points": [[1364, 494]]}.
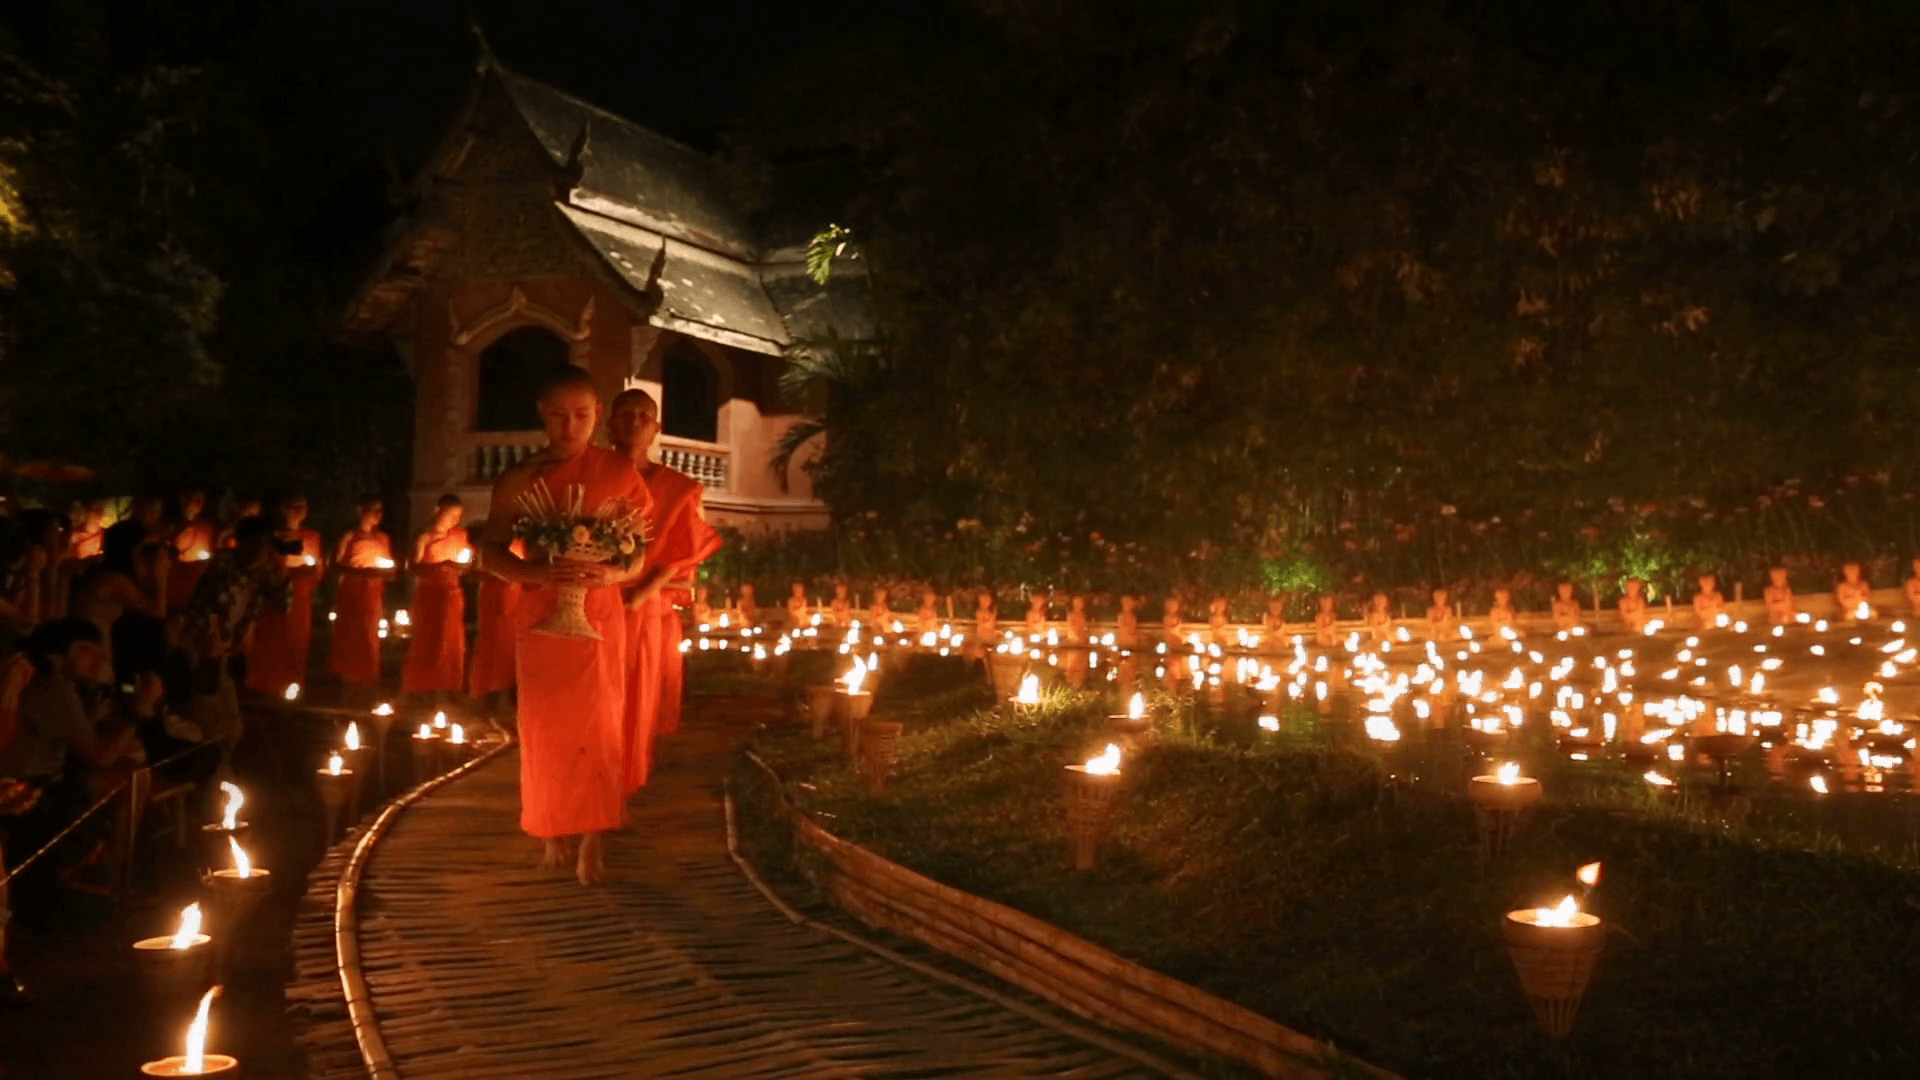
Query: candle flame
{"points": [[1508, 773], [457, 735], [1559, 915], [242, 865], [425, 732], [334, 765], [401, 618], [1105, 763], [1657, 780], [1588, 875], [189, 928], [1818, 783], [353, 735], [383, 709], [293, 691], [1029, 691], [197, 1036], [1137, 708], [310, 561], [464, 556], [439, 721], [236, 799], [856, 677], [383, 564]]}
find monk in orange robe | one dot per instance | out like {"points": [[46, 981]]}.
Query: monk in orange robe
{"points": [[282, 640], [680, 539], [572, 690], [437, 654], [364, 557], [192, 542], [491, 670]]}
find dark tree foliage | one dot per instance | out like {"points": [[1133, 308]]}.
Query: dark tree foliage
{"points": [[173, 257], [1247, 274]]}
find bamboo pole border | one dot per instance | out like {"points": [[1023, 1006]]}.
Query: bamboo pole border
{"points": [[1067, 970], [346, 938]]}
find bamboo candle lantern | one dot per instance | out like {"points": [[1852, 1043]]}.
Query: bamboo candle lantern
{"points": [[820, 706], [1500, 798], [426, 753], [382, 726], [176, 967], [336, 793], [1091, 791], [1554, 951], [879, 740]]}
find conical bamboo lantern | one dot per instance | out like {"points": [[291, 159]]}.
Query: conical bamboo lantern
{"points": [[1554, 962], [879, 739]]}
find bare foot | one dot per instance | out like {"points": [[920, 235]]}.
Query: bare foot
{"points": [[553, 853], [592, 866]]}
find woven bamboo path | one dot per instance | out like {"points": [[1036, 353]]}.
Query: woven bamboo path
{"points": [[480, 966]]}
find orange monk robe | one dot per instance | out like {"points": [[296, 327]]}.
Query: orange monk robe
{"points": [[437, 653], [278, 656], [192, 548], [573, 691], [491, 670], [680, 537], [359, 603]]}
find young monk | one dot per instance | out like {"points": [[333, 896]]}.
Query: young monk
{"points": [[192, 540], [491, 675], [437, 654], [282, 640], [364, 557], [572, 690], [680, 540]]}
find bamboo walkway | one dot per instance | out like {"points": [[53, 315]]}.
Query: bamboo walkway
{"points": [[480, 966]]}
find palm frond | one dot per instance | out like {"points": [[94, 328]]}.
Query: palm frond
{"points": [[801, 433]]}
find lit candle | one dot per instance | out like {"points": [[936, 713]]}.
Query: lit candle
{"points": [[196, 1061], [353, 736], [1554, 950], [293, 691]]}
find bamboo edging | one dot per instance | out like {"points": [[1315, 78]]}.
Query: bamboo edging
{"points": [[1067, 970], [353, 982]]}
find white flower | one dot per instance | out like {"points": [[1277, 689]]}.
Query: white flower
{"points": [[582, 534]]}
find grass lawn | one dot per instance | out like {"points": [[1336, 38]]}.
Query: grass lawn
{"points": [[1298, 879]]}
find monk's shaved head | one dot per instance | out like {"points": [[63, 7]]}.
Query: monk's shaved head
{"points": [[635, 396]]}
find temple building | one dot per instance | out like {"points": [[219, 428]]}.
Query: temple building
{"points": [[544, 231]]}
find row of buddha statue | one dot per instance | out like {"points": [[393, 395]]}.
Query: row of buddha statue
{"points": [[1852, 595]]}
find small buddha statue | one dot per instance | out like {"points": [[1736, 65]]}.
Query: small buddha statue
{"points": [[1273, 625], [1708, 605], [1440, 616], [1501, 616], [1324, 632], [929, 613], [1217, 621], [702, 610], [1913, 588], [1036, 624], [879, 616], [1126, 625], [1633, 606], [1379, 618], [1566, 609], [841, 609], [1779, 595], [1077, 621], [986, 619], [1077, 660], [1853, 594], [749, 610], [797, 606], [1170, 622]]}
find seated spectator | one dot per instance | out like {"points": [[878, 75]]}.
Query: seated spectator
{"points": [[69, 657], [124, 594]]}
